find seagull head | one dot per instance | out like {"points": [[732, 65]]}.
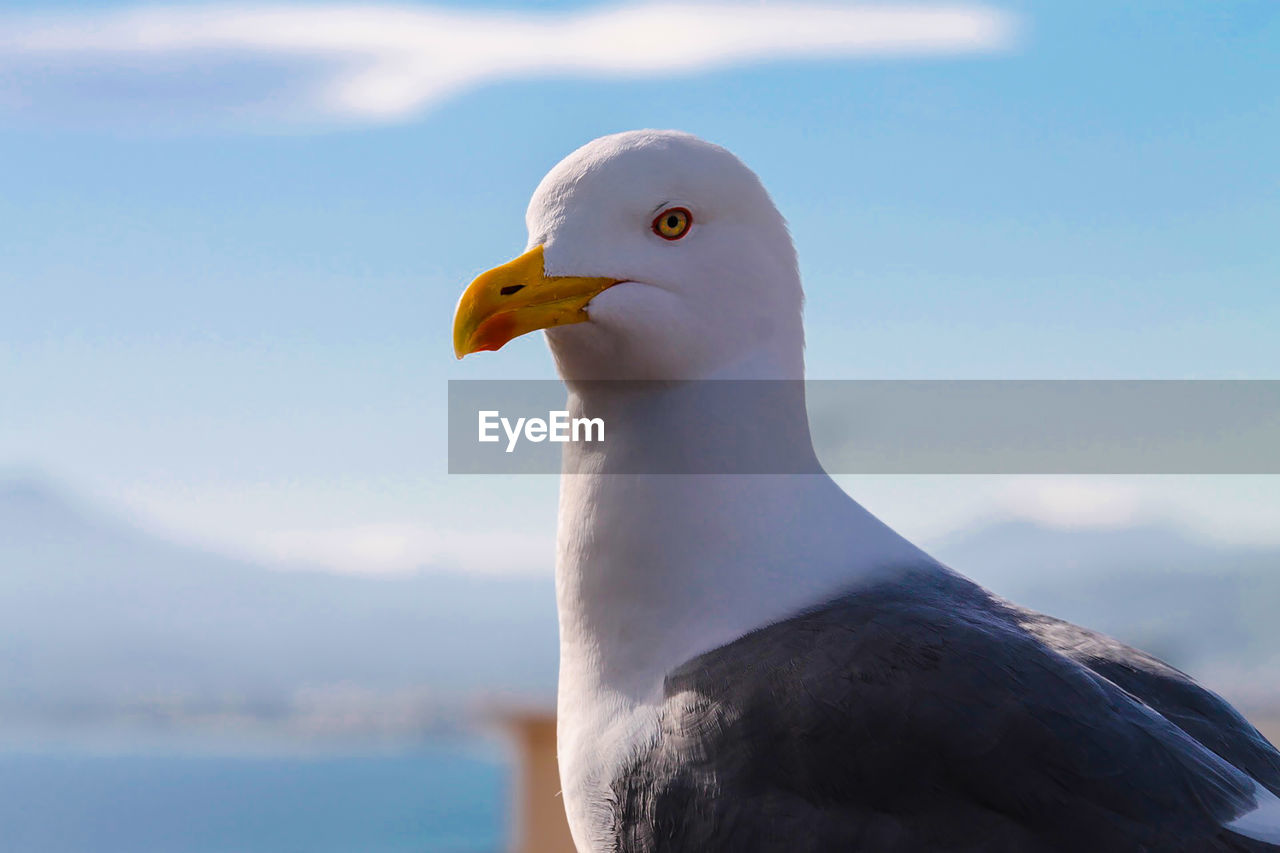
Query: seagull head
{"points": [[651, 255]]}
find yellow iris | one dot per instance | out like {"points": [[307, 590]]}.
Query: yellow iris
{"points": [[673, 223]]}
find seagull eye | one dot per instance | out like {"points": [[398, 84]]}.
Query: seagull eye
{"points": [[672, 223]]}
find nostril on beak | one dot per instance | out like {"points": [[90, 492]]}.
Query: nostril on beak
{"points": [[511, 288]]}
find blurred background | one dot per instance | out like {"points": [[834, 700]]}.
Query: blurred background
{"points": [[242, 605]]}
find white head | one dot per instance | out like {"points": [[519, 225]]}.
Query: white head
{"points": [[652, 255]]}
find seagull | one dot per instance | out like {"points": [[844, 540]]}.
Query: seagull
{"points": [[754, 662]]}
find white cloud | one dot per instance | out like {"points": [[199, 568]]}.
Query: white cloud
{"points": [[1076, 501], [393, 548], [375, 62]]}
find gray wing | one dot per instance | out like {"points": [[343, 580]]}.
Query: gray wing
{"points": [[1200, 713], [924, 714]]}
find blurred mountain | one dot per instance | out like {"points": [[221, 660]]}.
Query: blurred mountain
{"points": [[100, 622], [104, 624]]}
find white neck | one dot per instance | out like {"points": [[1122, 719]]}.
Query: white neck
{"points": [[655, 569]]}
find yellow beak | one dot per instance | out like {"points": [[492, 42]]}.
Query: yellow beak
{"points": [[516, 298]]}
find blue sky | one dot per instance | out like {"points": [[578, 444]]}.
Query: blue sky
{"points": [[227, 309]]}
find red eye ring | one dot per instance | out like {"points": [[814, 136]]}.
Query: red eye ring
{"points": [[673, 223]]}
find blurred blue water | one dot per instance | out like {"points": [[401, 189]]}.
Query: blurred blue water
{"points": [[442, 798]]}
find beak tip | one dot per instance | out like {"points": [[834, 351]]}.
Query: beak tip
{"points": [[463, 344]]}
